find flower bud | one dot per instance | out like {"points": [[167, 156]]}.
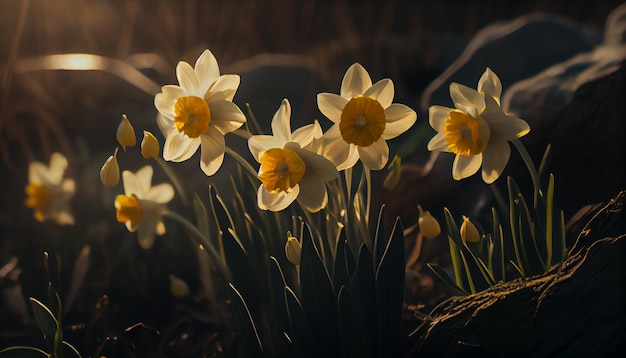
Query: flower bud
{"points": [[469, 232], [393, 178], [149, 145], [293, 249], [178, 287], [429, 226], [110, 171], [126, 133]]}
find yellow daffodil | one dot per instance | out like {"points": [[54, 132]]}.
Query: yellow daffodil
{"points": [[289, 170], [142, 205], [364, 119], [110, 171], [293, 250], [469, 232], [48, 194], [429, 226], [126, 133], [477, 130], [149, 145], [198, 112]]}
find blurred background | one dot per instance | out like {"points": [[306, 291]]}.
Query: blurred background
{"points": [[292, 49]]}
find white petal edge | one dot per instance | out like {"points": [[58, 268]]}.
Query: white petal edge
{"points": [[495, 158], [355, 82], [187, 78], [464, 167], [305, 135], [376, 155], [331, 105], [437, 116], [438, 143], [276, 201], [490, 85], [226, 116], [212, 151], [313, 196], [161, 193], [467, 99], [382, 91], [224, 88], [399, 119], [178, 147], [281, 126], [207, 70]]}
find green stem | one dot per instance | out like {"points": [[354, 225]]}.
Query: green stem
{"points": [[244, 164], [203, 240], [531, 168], [368, 200], [242, 133]]}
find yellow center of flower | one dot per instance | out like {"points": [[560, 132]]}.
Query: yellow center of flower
{"points": [[192, 115], [127, 209], [362, 121], [38, 196], [463, 134], [281, 169]]}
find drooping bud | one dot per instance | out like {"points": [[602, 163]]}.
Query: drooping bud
{"points": [[149, 146], [178, 287], [393, 178], [126, 133], [293, 250], [110, 171], [429, 226], [469, 232]]}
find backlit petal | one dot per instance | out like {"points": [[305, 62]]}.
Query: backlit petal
{"points": [[58, 164], [382, 91], [187, 78], [305, 135], [281, 128], [317, 167], [166, 126], [145, 232], [212, 149], [161, 193], [376, 155], [165, 104], [437, 116], [342, 154], [224, 88], [276, 201], [399, 119], [467, 99], [207, 71], [258, 143], [439, 143], [179, 147], [490, 85], [355, 82], [226, 116], [464, 167], [495, 157], [313, 196], [331, 105]]}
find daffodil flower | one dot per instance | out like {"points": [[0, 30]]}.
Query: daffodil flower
{"points": [[142, 206], [198, 113], [289, 170], [477, 130], [364, 119], [48, 194]]}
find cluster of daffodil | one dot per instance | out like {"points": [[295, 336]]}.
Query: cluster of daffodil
{"points": [[477, 131]]}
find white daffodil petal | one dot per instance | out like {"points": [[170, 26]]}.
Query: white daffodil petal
{"points": [[224, 89], [305, 135], [145, 232], [178, 147], [467, 99], [258, 143], [342, 154], [331, 105], [317, 166], [438, 143], [58, 164], [226, 116], [166, 125], [63, 216], [495, 158], [490, 85], [165, 104], [399, 119], [187, 77], [376, 155], [382, 91], [68, 187], [207, 70], [212, 150], [437, 116], [464, 167], [281, 126], [131, 184], [161, 193], [313, 196], [38, 173], [355, 82], [276, 201]]}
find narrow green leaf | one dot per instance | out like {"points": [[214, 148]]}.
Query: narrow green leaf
{"points": [[351, 330], [380, 241], [69, 351], [364, 287], [390, 293], [513, 223], [302, 336], [247, 328], [201, 215], [224, 220], [243, 274], [341, 277], [318, 296], [443, 276], [46, 322], [277, 280], [549, 218], [23, 352]]}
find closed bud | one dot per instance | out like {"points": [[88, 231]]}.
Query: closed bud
{"points": [[393, 178], [178, 287], [149, 145], [110, 171], [126, 133], [469, 232], [429, 226], [293, 250]]}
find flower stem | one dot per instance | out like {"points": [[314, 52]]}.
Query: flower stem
{"points": [[242, 162], [174, 179], [208, 247], [531, 168]]}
